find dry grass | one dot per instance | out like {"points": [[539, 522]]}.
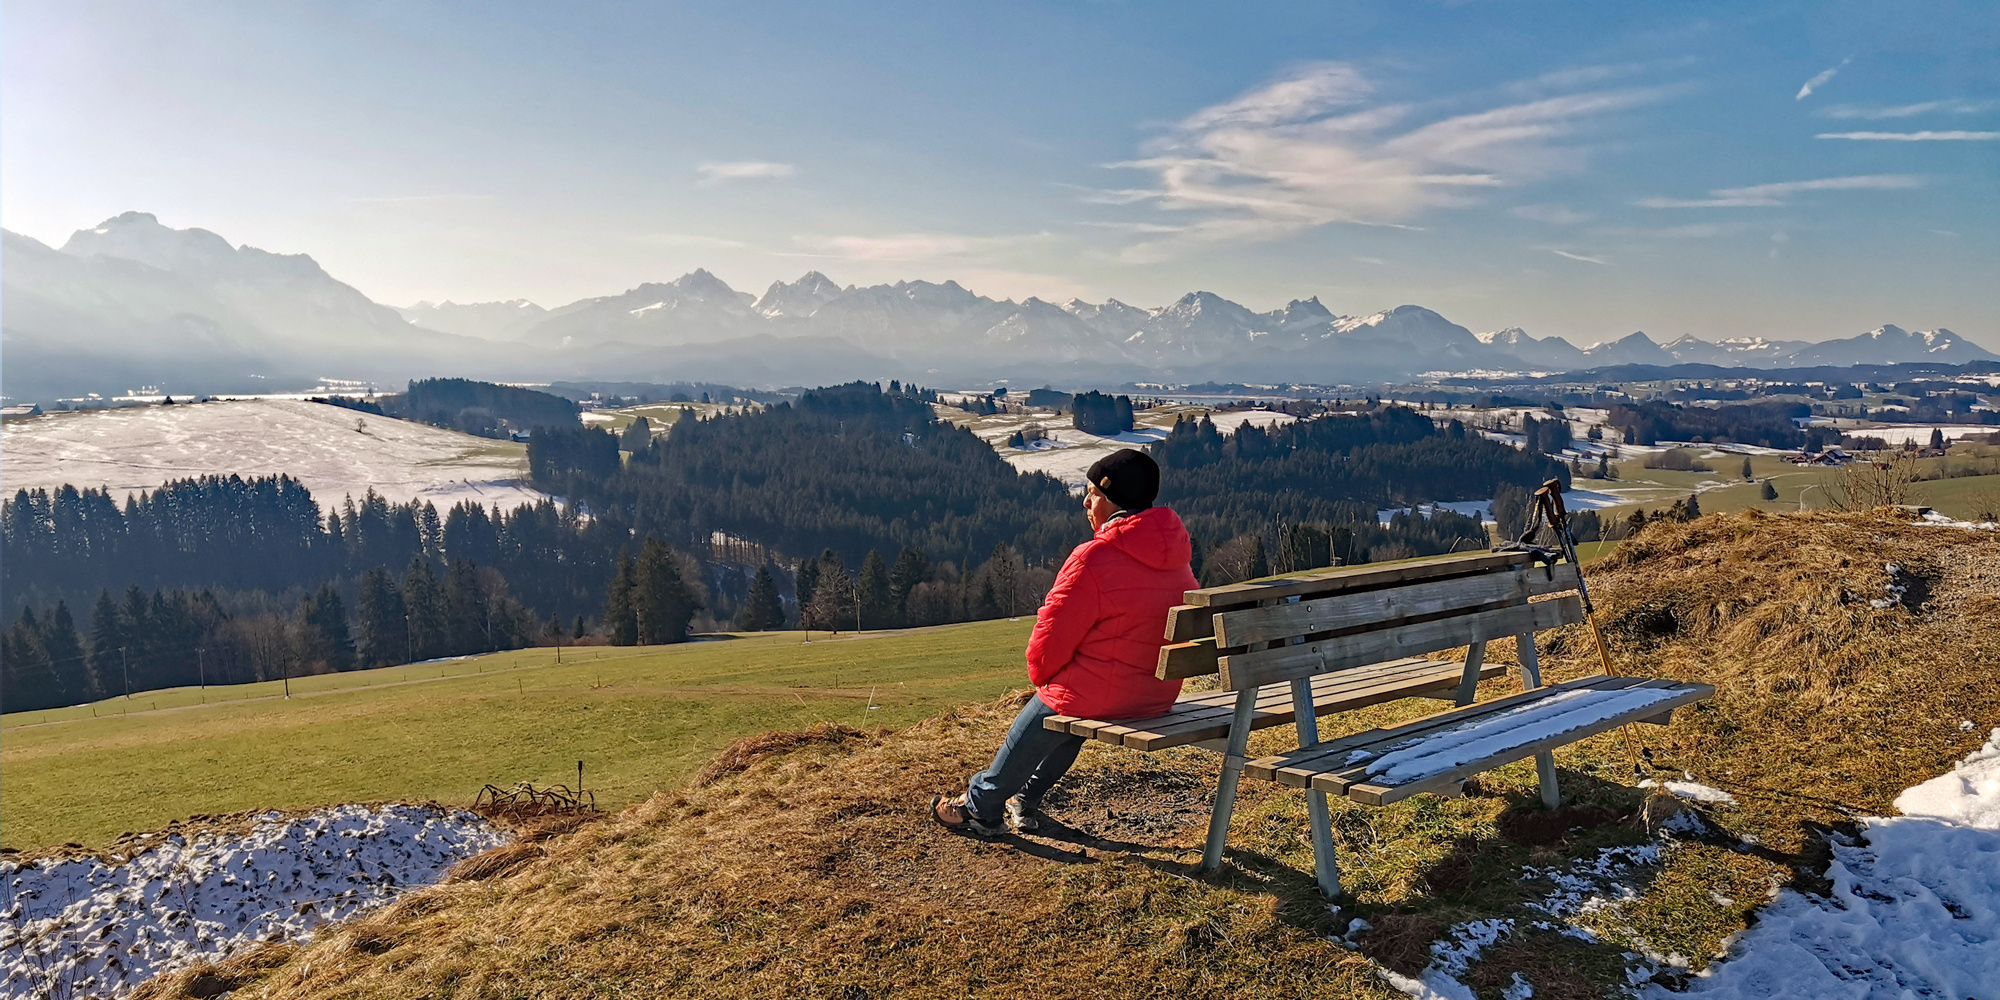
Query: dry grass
{"points": [[802, 865]]}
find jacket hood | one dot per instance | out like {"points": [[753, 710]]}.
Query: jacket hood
{"points": [[1154, 536]]}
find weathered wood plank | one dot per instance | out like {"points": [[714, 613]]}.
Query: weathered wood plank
{"points": [[1392, 607], [1186, 622], [1298, 767], [1373, 794], [1255, 669], [1182, 660], [1438, 680], [1351, 578]]}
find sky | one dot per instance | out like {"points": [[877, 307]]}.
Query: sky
{"points": [[1721, 169]]}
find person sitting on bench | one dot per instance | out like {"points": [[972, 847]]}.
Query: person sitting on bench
{"points": [[1096, 643]]}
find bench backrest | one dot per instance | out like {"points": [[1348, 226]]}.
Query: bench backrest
{"points": [[1278, 630]]}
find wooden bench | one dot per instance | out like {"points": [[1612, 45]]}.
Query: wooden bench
{"points": [[1344, 639]]}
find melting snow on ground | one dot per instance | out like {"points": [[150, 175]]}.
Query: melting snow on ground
{"points": [[82, 927], [1915, 909]]}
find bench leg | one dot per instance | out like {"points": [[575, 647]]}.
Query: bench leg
{"points": [[1468, 685], [1325, 868], [1233, 760], [1531, 676]]}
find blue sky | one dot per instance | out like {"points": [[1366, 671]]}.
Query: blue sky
{"points": [[1586, 169]]}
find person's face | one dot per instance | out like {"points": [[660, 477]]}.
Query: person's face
{"points": [[1097, 506]]}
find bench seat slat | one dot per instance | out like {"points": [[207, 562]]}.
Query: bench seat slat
{"points": [[1379, 793], [1297, 767], [1199, 718], [1326, 767], [1387, 609]]}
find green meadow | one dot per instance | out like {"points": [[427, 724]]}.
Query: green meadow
{"points": [[640, 718]]}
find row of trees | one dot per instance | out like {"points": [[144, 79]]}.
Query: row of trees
{"points": [[1096, 413], [229, 534], [174, 638]]}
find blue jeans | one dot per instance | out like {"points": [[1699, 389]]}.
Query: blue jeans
{"points": [[1030, 762]]}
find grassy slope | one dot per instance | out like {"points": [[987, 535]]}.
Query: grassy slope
{"points": [[813, 872], [641, 719]]}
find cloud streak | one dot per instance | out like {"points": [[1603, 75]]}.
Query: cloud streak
{"points": [[1820, 80], [1766, 195], [1955, 136], [1314, 148], [1955, 106], [744, 170], [1581, 257]]}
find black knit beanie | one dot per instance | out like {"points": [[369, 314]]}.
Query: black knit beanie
{"points": [[1128, 478]]}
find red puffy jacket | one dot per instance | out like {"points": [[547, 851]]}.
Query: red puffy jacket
{"points": [[1097, 639]]}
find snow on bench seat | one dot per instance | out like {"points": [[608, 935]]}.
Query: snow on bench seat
{"points": [[1386, 765]]}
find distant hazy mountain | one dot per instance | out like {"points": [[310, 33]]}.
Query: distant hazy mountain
{"points": [[132, 302], [485, 320], [1887, 345]]}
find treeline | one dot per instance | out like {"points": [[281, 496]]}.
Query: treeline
{"points": [[1094, 412], [849, 468], [230, 534], [1335, 472], [1766, 425], [174, 638], [483, 408]]}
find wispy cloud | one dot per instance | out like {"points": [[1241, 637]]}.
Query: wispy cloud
{"points": [[910, 246], [1554, 215], [1820, 79], [1955, 106], [1764, 195], [1313, 148], [744, 170], [1957, 136], [1581, 257]]}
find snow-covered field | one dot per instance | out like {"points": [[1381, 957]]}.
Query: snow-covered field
{"points": [[335, 452], [1901, 434], [1574, 500], [84, 928], [1915, 908]]}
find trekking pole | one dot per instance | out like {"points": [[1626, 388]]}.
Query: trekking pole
{"points": [[1548, 502]]}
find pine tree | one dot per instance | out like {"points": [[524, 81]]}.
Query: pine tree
{"points": [[323, 629], [580, 631], [804, 583], [1693, 507], [873, 591], [911, 569], [1770, 491], [621, 624], [27, 677], [1937, 438], [383, 630], [423, 601], [67, 664], [662, 602], [469, 610], [763, 610], [1259, 565], [1636, 523], [1747, 472], [107, 635], [1003, 570]]}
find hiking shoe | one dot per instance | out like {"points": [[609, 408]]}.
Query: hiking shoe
{"points": [[1021, 815], [953, 814]]}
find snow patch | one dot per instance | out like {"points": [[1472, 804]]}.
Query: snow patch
{"points": [[82, 927], [1442, 750], [1914, 912]]}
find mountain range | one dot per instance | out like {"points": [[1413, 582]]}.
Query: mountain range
{"points": [[133, 301]]}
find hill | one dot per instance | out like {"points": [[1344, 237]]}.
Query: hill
{"points": [[801, 863]]}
